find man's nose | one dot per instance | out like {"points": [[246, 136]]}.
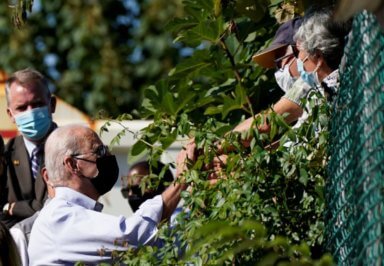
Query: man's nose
{"points": [[29, 107]]}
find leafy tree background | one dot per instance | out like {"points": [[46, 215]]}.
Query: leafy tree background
{"points": [[98, 54]]}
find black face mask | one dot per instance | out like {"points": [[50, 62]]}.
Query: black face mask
{"points": [[136, 200], [108, 174]]}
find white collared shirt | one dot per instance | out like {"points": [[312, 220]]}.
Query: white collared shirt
{"points": [[71, 229], [30, 146]]}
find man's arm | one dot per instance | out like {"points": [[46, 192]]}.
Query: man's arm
{"points": [[25, 208], [171, 196], [283, 106]]}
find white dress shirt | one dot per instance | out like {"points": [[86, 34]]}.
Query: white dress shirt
{"points": [[71, 228]]}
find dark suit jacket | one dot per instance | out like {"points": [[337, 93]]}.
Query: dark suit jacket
{"points": [[27, 193]]}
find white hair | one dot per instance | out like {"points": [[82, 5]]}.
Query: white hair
{"points": [[62, 142], [320, 33]]}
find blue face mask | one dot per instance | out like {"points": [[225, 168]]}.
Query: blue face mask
{"points": [[309, 77], [34, 124]]}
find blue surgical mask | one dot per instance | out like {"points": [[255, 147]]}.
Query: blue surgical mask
{"points": [[309, 77], [34, 124], [284, 78]]}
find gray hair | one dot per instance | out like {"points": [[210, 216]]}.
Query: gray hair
{"points": [[26, 76], [320, 33], [63, 142]]}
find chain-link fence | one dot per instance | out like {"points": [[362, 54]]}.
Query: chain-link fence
{"points": [[355, 189]]}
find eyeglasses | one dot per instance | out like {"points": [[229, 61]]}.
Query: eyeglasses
{"points": [[295, 53], [100, 152], [132, 191]]}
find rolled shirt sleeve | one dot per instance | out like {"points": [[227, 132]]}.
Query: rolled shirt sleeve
{"points": [[298, 91], [145, 221]]}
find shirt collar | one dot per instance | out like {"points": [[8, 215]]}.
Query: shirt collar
{"points": [[77, 198], [332, 79], [29, 145]]}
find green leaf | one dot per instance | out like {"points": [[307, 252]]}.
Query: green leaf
{"points": [[208, 30], [168, 104], [303, 176], [138, 148], [191, 65], [168, 140], [230, 104], [213, 110], [200, 202]]}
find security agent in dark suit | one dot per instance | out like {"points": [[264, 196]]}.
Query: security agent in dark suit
{"points": [[30, 107]]}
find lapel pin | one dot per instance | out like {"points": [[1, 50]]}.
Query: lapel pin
{"points": [[16, 162]]}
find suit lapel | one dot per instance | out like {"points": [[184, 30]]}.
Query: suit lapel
{"points": [[22, 166]]}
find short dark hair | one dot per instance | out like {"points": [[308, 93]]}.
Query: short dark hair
{"points": [[26, 76]]}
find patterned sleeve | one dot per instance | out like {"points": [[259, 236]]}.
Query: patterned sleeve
{"points": [[298, 91]]}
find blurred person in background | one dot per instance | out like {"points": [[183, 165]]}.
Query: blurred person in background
{"points": [[135, 178], [136, 181]]}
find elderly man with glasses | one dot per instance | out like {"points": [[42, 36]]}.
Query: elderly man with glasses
{"points": [[71, 228]]}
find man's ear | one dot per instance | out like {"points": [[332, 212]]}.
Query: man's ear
{"points": [[70, 164], [50, 186], [45, 176], [10, 115]]}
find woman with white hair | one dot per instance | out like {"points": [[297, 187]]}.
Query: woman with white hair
{"points": [[319, 48], [320, 45]]}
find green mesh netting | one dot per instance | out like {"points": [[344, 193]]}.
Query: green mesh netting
{"points": [[355, 189]]}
